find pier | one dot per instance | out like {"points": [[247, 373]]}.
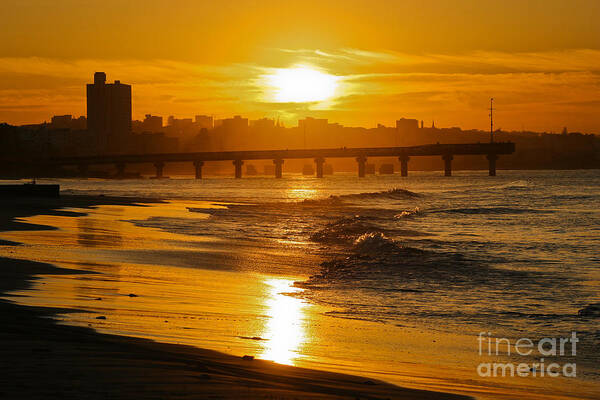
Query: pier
{"points": [[198, 159]]}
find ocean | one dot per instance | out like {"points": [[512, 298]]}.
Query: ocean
{"points": [[514, 256]]}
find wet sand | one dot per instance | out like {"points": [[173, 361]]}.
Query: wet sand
{"points": [[47, 360]]}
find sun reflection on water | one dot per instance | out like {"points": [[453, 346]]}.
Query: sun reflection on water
{"points": [[302, 193], [285, 329], [302, 190]]}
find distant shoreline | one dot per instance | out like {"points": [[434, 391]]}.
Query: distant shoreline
{"points": [[50, 360]]}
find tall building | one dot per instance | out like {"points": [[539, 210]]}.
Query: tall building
{"points": [[109, 113]]}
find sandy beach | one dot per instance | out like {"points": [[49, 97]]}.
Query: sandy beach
{"points": [[47, 360], [100, 303]]}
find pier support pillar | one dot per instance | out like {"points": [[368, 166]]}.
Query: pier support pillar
{"points": [[120, 170], [404, 165], [198, 167], [492, 163], [447, 164], [159, 165], [238, 168], [278, 168], [362, 161], [319, 161]]}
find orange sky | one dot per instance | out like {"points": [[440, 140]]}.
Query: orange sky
{"points": [[424, 59]]}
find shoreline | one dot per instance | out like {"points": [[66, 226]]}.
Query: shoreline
{"points": [[75, 362]]}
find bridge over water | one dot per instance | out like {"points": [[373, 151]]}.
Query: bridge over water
{"points": [[445, 151]]}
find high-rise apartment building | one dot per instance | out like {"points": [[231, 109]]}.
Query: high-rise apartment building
{"points": [[109, 113]]}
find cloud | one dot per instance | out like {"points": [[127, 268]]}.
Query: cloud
{"points": [[21, 107], [546, 88], [159, 86], [352, 61]]}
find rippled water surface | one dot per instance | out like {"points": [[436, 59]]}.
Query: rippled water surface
{"points": [[515, 254]]}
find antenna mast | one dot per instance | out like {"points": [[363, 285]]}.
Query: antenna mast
{"points": [[492, 120]]}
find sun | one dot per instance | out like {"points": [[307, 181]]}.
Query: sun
{"points": [[301, 85]]}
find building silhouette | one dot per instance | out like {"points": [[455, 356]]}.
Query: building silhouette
{"points": [[67, 122], [109, 113], [404, 125], [313, 124], [204, 121], [152, 123]]}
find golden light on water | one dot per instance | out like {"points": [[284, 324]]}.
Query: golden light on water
{"points": [[302, 193], [304, 189], [301, 84], [284, 331]]}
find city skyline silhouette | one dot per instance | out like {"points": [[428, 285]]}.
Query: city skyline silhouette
{"points": [[374, 61]]}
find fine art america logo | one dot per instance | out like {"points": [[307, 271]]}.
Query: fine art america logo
{"points": [[546, 347]]}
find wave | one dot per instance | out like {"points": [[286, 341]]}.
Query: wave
{"points": [[374, 242], [344, 230], [531, 315], [516, 185], [372, 256], [328, 201], [491, 210], [409, 213], [353, 231], [392, 194]]}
